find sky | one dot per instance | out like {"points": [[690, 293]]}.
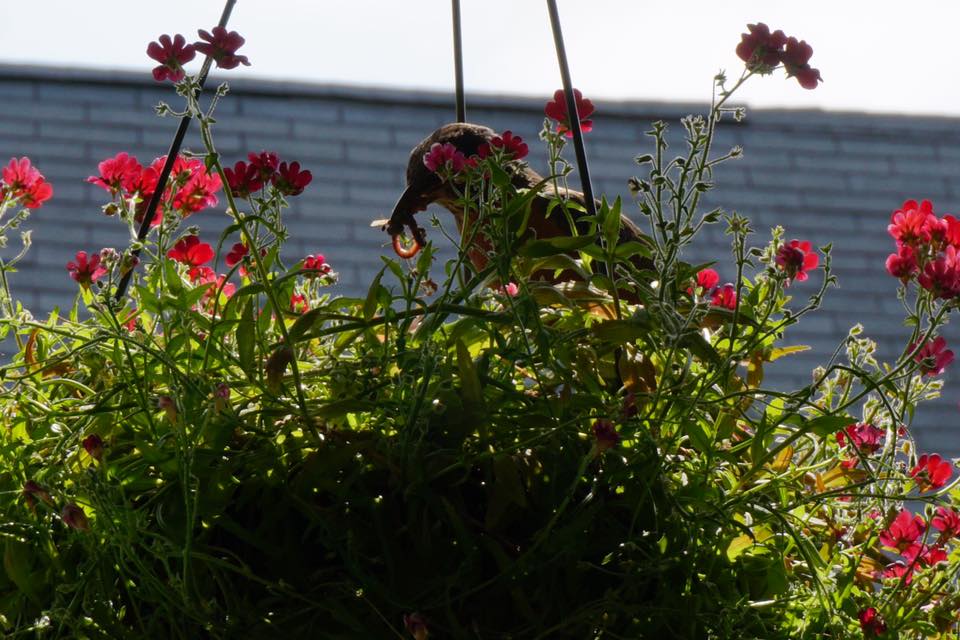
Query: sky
{"points": [[878, 56]]}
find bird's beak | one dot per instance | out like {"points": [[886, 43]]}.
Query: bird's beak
{"points": [[411, 201]]}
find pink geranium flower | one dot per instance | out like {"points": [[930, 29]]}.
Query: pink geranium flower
{"points": [[222, 45], [933, 357], [444, 157], [904, 531], [511, 146], [118, 174], [913, 224], [724, 297], [172, 55], [903, 263], [947, 522], [796, 60], [25, 182], [760, 49]]}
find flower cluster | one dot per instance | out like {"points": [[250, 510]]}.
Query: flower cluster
{"points": [[507, 146], [707, 285], [247, 178], [172, 53], [927, 249], [763, 50], [908, 535], [556, 110], [863, 439], [24, 182], [191, 187]]}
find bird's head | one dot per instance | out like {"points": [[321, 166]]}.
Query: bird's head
{"points": [[424, 187]]}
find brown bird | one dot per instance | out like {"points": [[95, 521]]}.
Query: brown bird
{"points": [[425, 187]]}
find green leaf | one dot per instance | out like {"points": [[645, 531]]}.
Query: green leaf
{"points": [[370, 304], [553, 246], [246, 338], [469, 379], [827, 425], [778, 352]]}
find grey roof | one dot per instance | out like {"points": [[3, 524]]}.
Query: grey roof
{"points": [[825, 176]]}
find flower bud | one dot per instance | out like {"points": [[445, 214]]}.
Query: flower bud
{"points": [[74, 517]]}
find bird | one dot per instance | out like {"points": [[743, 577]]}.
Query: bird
{"points": [[425, 187]]}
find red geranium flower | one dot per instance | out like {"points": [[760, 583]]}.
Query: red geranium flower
{"points": [[796, 60], [222, 46], [557, 110], [172, 55], [243, 179], [86, 271], [864, 437], [298, 303], [903, 531], [933, 356], [706, 280], [871, 623], [290, 180], [725, 296], [190, 251], [24, 181], [198, 193], [207, 276], [760, 49], [903, 263], [900, 570], [947, 522], [796, 258], [928, 555], [913, 224], [315, 265], [236, 254], [444, 156], [931, 472], [266, 163], [118, 174], [941, 277], [511, 146]]}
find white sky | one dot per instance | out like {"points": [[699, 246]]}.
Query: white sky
{"points": [[879, 56]]}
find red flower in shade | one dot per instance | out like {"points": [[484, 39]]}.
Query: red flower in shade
{"points": [[93, 445], [871, 623], [32, 490], [760, 49], [947, 522], [86, 271], [236, 254], [864, 438], [933, 356], [913, 224], [190, 251], [796, 59], [796, 258], [243, 179], [444, 157], [941, 277], [557, 110], [605, 434], [290, 180], [931, 472], [218, 283], [315, 265], [903, 263], [74, 517], [266, 163], [416, 626], [298, 303], [172, 55], [725, 296], [222, 46], [511, 146], [903, 531], [951, 230], [118, 174], [24, 181]]}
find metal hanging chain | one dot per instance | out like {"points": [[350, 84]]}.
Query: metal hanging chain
{"points": [[458, 62], [572, 113], [168, 164]]}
